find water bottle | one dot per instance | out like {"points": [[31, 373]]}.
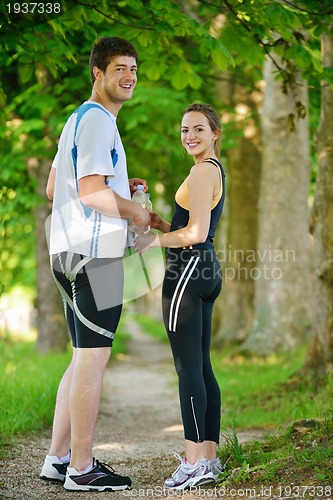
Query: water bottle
{"points": [[139, 196], [148, 204], [149, 207]]}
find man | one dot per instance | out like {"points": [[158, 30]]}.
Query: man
{"points": [[89, 186]]}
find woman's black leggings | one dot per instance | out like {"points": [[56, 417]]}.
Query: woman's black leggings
{"points": [[193, 280]]}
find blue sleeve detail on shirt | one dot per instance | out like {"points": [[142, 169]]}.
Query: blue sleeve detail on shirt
{"points": [[114, 156]]}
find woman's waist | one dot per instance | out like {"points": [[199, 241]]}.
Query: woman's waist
{"points": [[186, 253]]}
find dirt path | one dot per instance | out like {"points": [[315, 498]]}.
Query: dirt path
{"points": [[138, 426]]}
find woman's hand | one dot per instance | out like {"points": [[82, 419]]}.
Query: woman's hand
{"points": [[156, 222], [143, 242]]}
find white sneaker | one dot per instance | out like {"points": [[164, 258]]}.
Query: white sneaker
{"points": [[54, 469], [188, 475], [216, 468]]}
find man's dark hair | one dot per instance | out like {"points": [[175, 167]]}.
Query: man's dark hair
{"points": [[105, 49]]}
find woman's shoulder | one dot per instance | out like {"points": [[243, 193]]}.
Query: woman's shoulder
{"points": [[206, 167]]}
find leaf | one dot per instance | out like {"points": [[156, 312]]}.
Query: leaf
{"points": [[25, 72], [195, 81], [3, 98], [27, 126], [153, 73], [179, 80], [316, 59], [299, 55], [281, 18], [144, 38], [220, 59]]}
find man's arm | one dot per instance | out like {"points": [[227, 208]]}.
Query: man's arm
{"points": [[51, 183], [95, 194]]}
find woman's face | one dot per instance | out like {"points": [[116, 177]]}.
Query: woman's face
{"points": [[197, 136]]}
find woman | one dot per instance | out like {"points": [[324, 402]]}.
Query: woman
{"points": [[192, 282]]}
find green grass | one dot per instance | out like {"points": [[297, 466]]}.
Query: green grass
{"points": [[268, 392], [29, 383], [28, 386], [256, 393], [295, 416], [301, 455], [260, 393], [152, 327]]}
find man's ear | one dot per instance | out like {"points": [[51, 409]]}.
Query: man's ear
{"points": [[97, 72]]}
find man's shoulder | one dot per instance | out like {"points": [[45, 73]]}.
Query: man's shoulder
{"points": [[93, 118], [90, 109]]}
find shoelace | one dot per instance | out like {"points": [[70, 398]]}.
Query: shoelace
{"points": [[108, 467], [176, 455]]}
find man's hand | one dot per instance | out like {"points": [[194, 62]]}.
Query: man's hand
{"points": [[133, 183], [141, 219]]}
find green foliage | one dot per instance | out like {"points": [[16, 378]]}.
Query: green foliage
{"points": [[233, 448], [294, 417], [152, 327], [259, 392], [28, 387], [29, 383], [289, 29], [45, 76], [302, 452], [154, 149], [265, 393]]}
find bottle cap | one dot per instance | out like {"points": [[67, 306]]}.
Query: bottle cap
{"points": [[140, 187]]}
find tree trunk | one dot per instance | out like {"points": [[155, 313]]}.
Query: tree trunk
{"points": [[282, 317], [233, 313], [320, 354], [50, 322]]}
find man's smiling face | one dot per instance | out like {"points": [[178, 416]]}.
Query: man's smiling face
{"points": [[119, 79]]}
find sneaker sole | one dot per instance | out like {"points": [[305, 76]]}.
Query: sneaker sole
{"points": [[205, 481], [96, 488], [58, 480], [193, 481]]}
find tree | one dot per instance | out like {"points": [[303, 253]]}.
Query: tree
{"points": [[280, 33], [179, 51], [288, 33], [233, 313], [37, 106], [282, 287], [320, 354], [50, 322]]}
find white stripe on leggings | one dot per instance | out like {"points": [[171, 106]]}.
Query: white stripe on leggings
{"points": [[194, 417], [173, 321]]}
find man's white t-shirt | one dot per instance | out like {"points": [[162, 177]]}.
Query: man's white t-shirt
{"points": [[89, 144]]}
